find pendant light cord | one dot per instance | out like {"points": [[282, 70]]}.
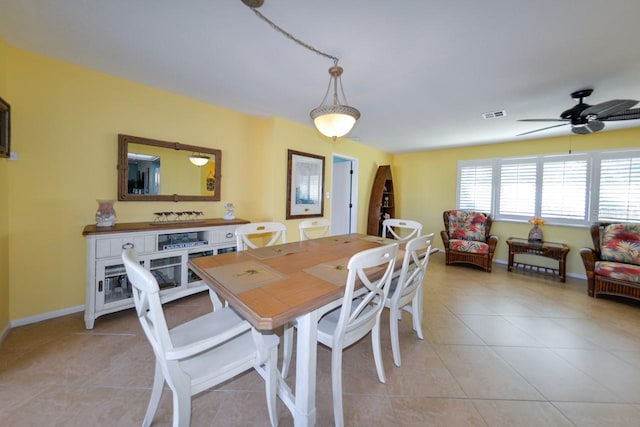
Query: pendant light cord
{"points": [[291, 37]]}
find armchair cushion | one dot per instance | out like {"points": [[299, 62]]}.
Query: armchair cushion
{"points": [[470, 246], [618, 270], [467, 225], [621, 243]]}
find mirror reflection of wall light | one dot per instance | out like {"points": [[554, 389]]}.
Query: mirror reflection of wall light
{"points": [[198, 159]]}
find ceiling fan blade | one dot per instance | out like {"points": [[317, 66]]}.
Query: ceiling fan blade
{"points": [[608, 108], [543, 120], [538, 130], [631, 114]]}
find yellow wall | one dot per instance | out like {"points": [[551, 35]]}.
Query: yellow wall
{"points": [[4, 208], [66, 121], [435, 172]]}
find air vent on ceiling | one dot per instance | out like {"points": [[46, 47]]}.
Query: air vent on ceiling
{"points": [[494, 114]]}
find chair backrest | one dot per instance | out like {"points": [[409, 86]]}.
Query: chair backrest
{"points": [[358, 316], [467, 225], [617, 242], [146, 297], [401, 229], [244, 233], [314, 228], [414, 267]]}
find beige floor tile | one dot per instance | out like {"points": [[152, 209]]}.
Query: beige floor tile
{"points": [[482, 374], [520, 413], [496, 330], [415, 411], [613, 373], [553, 377], [549, 332], [586, 414]]}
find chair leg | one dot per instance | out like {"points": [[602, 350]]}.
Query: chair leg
{"points": [[393, 330], [156, 393], [416, 309], [336, 386], [271, 383], [377, 351], [181, 405], [287, 349]]}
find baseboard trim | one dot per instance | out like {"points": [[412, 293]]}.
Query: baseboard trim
{"points": [[5, 332], [45, 316]]}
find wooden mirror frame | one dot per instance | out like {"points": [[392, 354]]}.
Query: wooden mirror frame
{"points": [[123, 170]]}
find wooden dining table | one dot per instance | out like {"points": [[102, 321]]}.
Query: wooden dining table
{"points": [[297, 281]]}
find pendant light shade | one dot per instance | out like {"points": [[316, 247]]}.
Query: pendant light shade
{"points": [[198, 159], [336, 119]]}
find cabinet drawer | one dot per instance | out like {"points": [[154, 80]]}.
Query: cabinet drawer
{"points": [[113, 246], [224, 235]]}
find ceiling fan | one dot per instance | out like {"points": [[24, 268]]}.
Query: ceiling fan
{"points": [[585, 118]]}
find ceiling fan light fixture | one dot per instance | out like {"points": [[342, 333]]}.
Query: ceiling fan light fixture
{"points": [[336, 119], [590, 126], [199, 159]]}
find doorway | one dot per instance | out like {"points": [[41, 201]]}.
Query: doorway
{"points": [[344, 194]]}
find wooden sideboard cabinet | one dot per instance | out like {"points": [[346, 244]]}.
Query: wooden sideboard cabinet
{"points": [[164, 249]]}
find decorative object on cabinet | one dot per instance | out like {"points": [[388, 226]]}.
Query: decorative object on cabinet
{"points": [[229, 214], [467, 238], [305, 185], [381, 203], [613, 264], [166, 217], [106, 214], [164, 248], [5, 128], [140, 161]]}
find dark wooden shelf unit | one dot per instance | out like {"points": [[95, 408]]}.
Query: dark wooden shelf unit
{"points": [[382, 201]]}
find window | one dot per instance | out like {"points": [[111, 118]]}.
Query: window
{"points": [[475, 187], [619, 188], [572, 189]]}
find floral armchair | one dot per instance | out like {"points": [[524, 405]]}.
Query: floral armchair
{"points": [[467, 238], [613, 265]]}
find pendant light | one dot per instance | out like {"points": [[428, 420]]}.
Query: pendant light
{"points": [[337, 118]]}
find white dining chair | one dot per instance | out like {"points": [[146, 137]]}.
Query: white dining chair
{"points": [[401, 229], [358, 315], [407, 289], [201, 353], [246, 233], [314, 228]]}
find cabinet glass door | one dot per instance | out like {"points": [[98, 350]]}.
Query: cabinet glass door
{"points": [[113, 285], [167, 271]]}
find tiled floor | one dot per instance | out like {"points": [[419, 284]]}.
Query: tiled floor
{"points": [[500, 349]]}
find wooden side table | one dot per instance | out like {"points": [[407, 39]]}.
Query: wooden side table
{"points": [[551, 250]]}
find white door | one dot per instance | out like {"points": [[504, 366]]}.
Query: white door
{"points": [[344, 182]]}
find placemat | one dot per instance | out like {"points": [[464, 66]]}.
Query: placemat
{"points": [[244, 276], [334, 240], [333, 271], [379, 239], [275, 251]]}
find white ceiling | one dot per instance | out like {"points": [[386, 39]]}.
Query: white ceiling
{"points": [[421, 72]]}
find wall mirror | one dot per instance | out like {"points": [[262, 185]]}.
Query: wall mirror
{"points": [[153, 170]]}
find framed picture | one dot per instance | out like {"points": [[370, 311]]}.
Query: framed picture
{"points": [[305, 185], [5, 129]]}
